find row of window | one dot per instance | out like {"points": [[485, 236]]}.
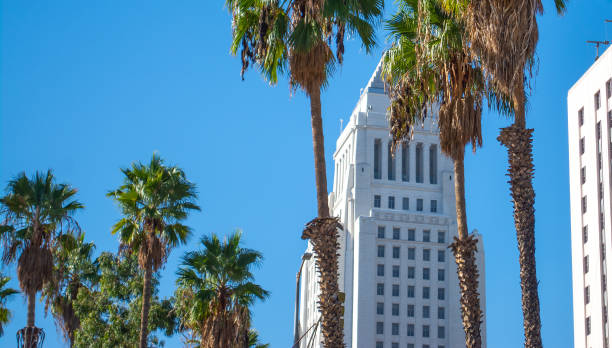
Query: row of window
{"points": [[380, 330], [425, 237], [433, 204], [395, 310], [426, 254], [379, 344], [405, 162], [395, 291], [380, 271], [596, 101]]}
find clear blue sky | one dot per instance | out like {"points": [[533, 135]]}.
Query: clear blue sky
{"points": [[88, 87]]}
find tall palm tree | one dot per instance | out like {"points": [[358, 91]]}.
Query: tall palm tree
{"points": [[154, 199], [503, 35], [37, 212], [216, 290], [5, 294], [73, 271], [427, 66], [295, 36]]}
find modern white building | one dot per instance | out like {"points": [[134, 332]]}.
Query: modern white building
{"points": [[399, 217], [589, 125]]}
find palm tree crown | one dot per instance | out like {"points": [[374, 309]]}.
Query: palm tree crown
{"points": [[37, 212], [5, 294], [216, 289]]}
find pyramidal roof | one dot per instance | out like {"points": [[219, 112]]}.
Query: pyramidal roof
{"points": [[376, 84]]}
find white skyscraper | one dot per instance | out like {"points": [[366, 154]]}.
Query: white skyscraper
{"points": [[589, 127], [398, 215]]}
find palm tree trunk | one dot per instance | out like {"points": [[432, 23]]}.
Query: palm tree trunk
{"points": [[518, 139], [146, 305], [464, 249], [31, 308], [319, 153], [323, 233]]}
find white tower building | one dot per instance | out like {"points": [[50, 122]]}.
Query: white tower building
{"points": [[399, 217], [589, 125]]}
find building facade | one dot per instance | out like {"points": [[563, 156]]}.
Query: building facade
{"points": [[590, 151], [398, 214]]}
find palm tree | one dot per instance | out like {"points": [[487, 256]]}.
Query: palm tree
{"points": [[37, 212], [254, 340], [295, 36], [73, 271], [5, 293], [503, 35], [427, 65], [216, 290], [154, 200]]}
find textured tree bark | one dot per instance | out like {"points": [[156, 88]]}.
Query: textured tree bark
{"points": [[518, 140], [31, 308], [319, 153], [464, 249], [146, 304], [323, 233]]}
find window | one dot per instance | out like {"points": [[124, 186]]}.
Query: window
{"points": [[587, 325], [584, 205], [597, 101], [396, 233], [381, 251], [394, 345], [380, 308], [426, 236], [379, 344], [391, 204], [425, 330], [390, 162], [441, 332], [426, 312], [395, 309], [441, 236], [395, 271], [441, 313], [433, 164], [410, 345], [586, 264], [598, 130], [426, 292], [394, 329], [433, 206], [380, 328], [419, 163], [380, 289], [410, 291], [380, 270], [441, 294], [419, 204], [395, 290], [376, 201], [410, 330], [405, 162], [411, 235], [441, 275], [581, 145], [381, 231], [426, 254], [410, 311], [609, 88], [410, 272], [585, 234], [440, 255], [411, 253], [581, 117], [425, 273], [377, 159], [583, 175], [396, 252], [405, 203], [587, 295]]}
